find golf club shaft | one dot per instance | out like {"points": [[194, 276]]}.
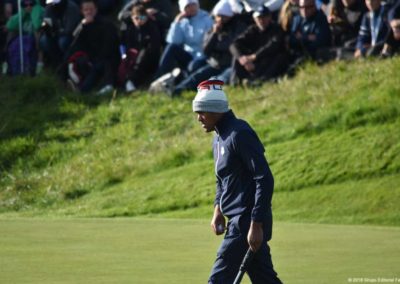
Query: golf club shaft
{"points": [[243, 267]]}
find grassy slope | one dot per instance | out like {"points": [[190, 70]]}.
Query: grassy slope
{"points": [[331, 136], [133, 251]]}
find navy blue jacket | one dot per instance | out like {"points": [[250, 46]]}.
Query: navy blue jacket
{"points": [[244, 181], [317, 25], [365, 35]]}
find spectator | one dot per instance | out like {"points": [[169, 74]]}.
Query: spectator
{"points": [[259, 53], [10, 8], [226, 28], [60, 19], [288, 11], [345, 19], [392, 42], [142, 41], [185, 38], [310, 33], [94, 54], [159, 11], [31, 17], [373, 30]]}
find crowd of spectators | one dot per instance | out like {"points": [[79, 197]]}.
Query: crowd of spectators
{"points": [[171, 46]]}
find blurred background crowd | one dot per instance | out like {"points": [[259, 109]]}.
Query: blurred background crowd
{"points": [[170, 46]]}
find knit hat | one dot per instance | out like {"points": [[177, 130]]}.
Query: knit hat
{"points": [[223, 8], [210, 97], [184, 3]]}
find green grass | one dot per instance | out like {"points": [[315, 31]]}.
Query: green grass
{"points": [[182, 251], [331, 137]]}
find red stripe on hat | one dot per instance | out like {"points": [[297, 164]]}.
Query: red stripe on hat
{"points": [[206, 84]]}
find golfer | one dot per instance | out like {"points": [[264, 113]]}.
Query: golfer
{"points": [[244, 189]]}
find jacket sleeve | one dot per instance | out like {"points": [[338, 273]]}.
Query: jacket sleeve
{"points": [[210, 41], [37, 17], [239, 45], [72, 20], [364, 34], [218, 192], [295, 43], [152, 47], [322, 32], [273, 46], [251, 153], [175, 34]]}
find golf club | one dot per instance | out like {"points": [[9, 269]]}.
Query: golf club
{"points": [[244, 265]]}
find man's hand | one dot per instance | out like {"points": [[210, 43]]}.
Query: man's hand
{"points": [[246, 59], [358, 53], [218, 222], [255, 236], [312, 37], [250, 67], [180, 16], [217, 27]]}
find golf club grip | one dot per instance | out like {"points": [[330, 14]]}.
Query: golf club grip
{"points": [[243, 267]]}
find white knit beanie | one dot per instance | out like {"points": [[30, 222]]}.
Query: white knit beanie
{"points": [[184, 3], [210, 97], [223, 8]]}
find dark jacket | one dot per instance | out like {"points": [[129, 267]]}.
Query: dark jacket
{"points": [[216, 45], [366, 35], [348, 20], [244, 181], [314, 25], [63, 17], [145, 39], [98, 39], [264, 44]]}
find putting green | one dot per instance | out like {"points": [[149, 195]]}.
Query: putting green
{"points": [[182, 251]]}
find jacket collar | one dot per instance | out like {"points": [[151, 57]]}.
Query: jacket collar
{"points": [[224, 121]]}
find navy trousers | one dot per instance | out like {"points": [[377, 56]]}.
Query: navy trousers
{"points": [[232, 251]]}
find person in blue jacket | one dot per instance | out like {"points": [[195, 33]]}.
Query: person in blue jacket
{"points": [[310, 32], [185, 37], [244, 189], [373, 30]]}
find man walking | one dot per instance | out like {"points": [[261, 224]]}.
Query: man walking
{"points": [[244, 189]]}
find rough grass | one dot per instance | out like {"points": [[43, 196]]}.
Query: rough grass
{"points": [[331, 136]]}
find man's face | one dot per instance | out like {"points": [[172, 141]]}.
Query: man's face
{"points": [[395, 26], [307, 8], [208, 120], [191, 9], [89, 10], [139, 20], [28, 7], [222, 19], [263, 22], [373, 5]]}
